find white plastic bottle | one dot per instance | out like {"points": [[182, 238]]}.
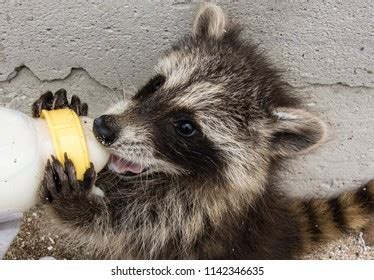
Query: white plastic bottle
{"points": [[26, 144]]}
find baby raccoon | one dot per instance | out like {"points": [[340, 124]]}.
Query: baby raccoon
{"points": [[195, 157]]}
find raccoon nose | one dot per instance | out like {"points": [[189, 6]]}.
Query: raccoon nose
{"points": [[104, 130]]}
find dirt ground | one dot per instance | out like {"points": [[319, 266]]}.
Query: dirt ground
{"points": [[35, 241]]}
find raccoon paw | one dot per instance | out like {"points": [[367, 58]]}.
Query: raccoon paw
{"points": [[50, 101], [60, 183]]}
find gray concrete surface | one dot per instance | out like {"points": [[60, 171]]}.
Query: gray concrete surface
{"points": [[315, 42]]}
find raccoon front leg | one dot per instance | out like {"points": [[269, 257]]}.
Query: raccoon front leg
{"points": [[71, 200], [50, 101]]}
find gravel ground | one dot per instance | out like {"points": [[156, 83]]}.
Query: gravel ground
{"points": [[35, 241]]}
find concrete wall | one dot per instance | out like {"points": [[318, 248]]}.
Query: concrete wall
{"points": [[97, 48]]}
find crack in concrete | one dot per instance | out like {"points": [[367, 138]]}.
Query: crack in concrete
{"points": [[19, 68], [319, 85], [181, 2]]}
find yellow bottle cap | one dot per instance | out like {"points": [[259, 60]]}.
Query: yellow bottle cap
{"points": [[67, 135]]}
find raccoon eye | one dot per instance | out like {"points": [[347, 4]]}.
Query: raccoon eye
{"points": [[185, 128]]}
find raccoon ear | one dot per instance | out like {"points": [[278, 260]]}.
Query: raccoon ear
{"points": [[296, 131], [210, 22]]}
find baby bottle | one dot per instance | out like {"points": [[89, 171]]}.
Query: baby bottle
{"points": [[26, 144]]}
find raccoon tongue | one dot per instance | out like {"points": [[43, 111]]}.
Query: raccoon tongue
{"points": [[121, 166]]}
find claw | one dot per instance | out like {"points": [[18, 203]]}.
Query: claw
{"points": [[84, 109], [72, 174], [47, 98], [44, 102], [36, 108], [61, 179], [49, 190], [75, 105], [60, 100], [89, 178]]}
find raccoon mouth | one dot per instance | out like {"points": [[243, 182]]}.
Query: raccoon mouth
{"points": [[125, 167]]}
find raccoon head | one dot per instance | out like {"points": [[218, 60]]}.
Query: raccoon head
{"points": [[215, 111]]}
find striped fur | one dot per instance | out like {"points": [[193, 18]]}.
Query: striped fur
{"points": [[326, 219]]}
